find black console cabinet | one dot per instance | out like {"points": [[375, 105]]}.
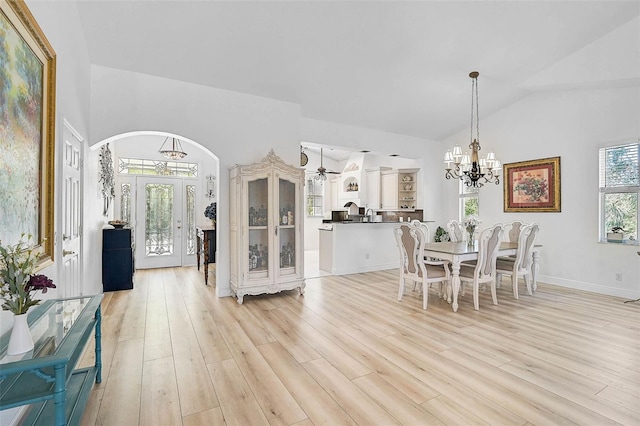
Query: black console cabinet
{"points": [[117, 259]]}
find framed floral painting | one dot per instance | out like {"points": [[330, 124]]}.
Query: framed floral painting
{"points": [[532, 186], [27, 130]]}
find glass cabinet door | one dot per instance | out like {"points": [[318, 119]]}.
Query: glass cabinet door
{"points": [[287, 227], [258, 222]]}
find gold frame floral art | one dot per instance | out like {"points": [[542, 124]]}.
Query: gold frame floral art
{"points": [[30, 89], [532, 186]]}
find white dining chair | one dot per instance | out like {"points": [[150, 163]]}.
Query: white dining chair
{"points": [[425, 229], [456, 231], [411, 240], [512, 231], [430, 260], [520, 265], [483, 270]]}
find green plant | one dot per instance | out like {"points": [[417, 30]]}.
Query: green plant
{"points": [[441, 235]]}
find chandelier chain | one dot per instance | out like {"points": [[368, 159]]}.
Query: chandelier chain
{"points": [[471, 169]]}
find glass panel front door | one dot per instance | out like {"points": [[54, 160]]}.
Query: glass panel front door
{"points": [[159, 227]]}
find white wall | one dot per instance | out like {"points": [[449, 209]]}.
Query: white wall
{"points": [[573, 125], [61, 25], [237, 128]]}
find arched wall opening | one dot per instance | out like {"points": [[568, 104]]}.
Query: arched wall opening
{"points": [[144, 145]]}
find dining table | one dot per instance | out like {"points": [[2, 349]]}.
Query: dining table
{"points": [[458, 252]]}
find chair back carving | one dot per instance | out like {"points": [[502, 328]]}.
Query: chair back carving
{"points": [[514, 231], [425, 229], [411, 244], [526, 242], [456, 233], [489, 244]]}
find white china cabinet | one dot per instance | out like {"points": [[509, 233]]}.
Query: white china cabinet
{"points": [[266, 227]]}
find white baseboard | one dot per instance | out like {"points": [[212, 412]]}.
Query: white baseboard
{"points": [[592, 287]]}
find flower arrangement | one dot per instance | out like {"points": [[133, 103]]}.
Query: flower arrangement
{"points": [[211, 211], [18, 283], [471, 222]]}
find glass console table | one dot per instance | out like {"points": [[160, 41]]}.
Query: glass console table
{"points": [[46, 377]]}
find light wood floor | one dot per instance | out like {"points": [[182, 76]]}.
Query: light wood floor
{"points": [[347, 352]]}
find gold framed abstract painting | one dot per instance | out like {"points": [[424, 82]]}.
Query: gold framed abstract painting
{"points": [[27, 129], [532, 186]]}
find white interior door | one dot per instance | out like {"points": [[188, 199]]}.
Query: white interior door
{"points": [[159, 225], [71, 212]]}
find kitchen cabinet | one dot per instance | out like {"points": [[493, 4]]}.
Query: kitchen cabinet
{"points": [[399, 189], [373, 189], [266, 227], [331, 194]]}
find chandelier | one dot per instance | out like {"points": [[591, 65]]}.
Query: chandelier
{"points": [[176, 152], [472, 170]]}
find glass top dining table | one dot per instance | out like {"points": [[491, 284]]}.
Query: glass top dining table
{"points": [[459, 252]]}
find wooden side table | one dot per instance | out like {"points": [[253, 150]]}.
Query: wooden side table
{"points": [[206, 241]]}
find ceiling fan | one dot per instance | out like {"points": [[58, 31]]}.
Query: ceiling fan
{"points": [[322, 172]]}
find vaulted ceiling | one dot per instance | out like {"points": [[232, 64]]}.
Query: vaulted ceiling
{"points": [[396, 66]]}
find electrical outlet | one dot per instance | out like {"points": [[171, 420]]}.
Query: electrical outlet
{"points": [[618, 276]]}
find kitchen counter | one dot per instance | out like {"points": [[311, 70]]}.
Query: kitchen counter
{"points": [[354, 247]]}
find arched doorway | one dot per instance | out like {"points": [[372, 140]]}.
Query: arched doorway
{"points": [[162, 199]]}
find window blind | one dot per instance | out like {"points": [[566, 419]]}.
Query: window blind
{"points": [[619, 166]]}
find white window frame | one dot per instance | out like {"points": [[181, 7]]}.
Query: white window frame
{"points": [[463, 196], [318, 199], [603, 190]]}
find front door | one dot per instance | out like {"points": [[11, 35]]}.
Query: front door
{"points": [[159, 224], [71, 211]]}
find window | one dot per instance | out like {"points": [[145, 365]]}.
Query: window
{"points": [[619, 189], [315, 197], [132, 166], [468, 201]]}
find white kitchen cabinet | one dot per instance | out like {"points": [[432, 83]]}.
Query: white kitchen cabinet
{"points": [[389, 190], [374, 187], [399, 189], [333, 194], [266, 227]]}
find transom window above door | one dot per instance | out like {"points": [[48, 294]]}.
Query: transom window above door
{"points": [[133, 166]]}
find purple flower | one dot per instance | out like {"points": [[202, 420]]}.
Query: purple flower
{"points": [[39, 282]]}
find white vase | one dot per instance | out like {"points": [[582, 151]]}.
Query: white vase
{"points": [[20, 340]]}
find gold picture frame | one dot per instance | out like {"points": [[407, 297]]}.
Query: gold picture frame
{"points": [[532, 186], [28, 129]]}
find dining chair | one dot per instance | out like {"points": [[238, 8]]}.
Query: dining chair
{"points": [[520, 266], [425, 229], [456, 231], [483, 270], [512, 231], [411, 241], [428, 259]]}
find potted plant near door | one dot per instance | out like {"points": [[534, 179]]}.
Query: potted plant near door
{"points": [[616, 235]]}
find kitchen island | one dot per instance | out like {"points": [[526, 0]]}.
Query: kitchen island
{"points": [[354, 247]]}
